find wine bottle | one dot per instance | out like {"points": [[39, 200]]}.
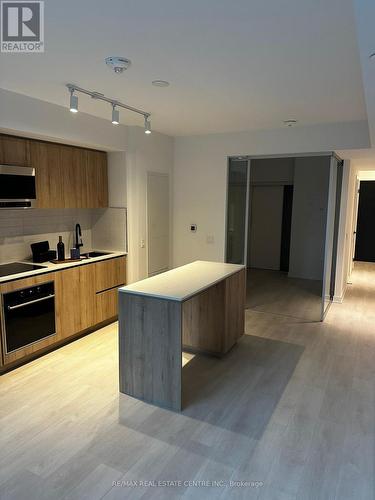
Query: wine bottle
{"points": [[60, 249]]}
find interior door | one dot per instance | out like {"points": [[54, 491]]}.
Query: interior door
{"points": [[265, 226], [157, 222]]}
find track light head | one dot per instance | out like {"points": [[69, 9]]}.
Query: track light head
{"points": [[147, 125], [73, 105], [115, 115]]}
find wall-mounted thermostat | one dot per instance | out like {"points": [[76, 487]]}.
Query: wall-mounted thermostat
{"points": [[193, 228]]}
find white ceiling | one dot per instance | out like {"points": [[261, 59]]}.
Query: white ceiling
{"points": [[233, 64]]}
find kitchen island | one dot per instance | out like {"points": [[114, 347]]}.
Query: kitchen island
{"points": [[198, 307]]}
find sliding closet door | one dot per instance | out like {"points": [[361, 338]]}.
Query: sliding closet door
{"points": [[266, 217], [237, 211]]}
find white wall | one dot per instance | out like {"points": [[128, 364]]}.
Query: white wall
{"points": [[117, 179], [200, 172], [147, 153], [344, 236], [24, 115], [353, 170]]}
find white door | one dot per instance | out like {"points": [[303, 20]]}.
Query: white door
{"points": [[265, 226], [157, 222]]}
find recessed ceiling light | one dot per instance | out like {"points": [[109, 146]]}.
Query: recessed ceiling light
{"points": [[372, 56], [290, 123], [160, 83]]}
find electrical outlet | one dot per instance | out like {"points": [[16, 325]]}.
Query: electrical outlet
{"points": [[143, 243]]}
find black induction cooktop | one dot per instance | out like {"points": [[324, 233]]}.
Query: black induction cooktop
{"points": [[17, 267]]}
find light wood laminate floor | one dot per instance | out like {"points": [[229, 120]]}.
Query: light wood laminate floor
{"points": [[291, 406], [274, 292]]}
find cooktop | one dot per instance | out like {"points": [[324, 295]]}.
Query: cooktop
{"points": [[17, 267]]}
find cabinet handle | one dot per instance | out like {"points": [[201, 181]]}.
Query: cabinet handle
{"points": [[11, 308]]}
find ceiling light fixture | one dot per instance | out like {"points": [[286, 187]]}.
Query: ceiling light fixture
{"points": [[290, 123], [160, 83], [73, 104], [147, 125], [114, 103], [372, 56], [115, 115]]}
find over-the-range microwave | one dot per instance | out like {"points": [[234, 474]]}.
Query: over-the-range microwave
{"points": [[17, 187]]}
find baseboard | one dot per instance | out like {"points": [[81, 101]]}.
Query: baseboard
{"points": [[339, 299]]}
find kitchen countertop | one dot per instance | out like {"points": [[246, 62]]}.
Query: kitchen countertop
{"points": [[50, 267], [183, 282]]}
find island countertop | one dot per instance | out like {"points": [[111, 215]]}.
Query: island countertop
{"points": [[183, 282]]}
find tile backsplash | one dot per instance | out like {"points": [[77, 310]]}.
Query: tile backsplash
{"points": [[20, 228]]}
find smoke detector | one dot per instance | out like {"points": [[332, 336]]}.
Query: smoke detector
{"points": [[118, 64]]}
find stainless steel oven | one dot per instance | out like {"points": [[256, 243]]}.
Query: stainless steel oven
{"points": [[28, 316], [17, 187]]}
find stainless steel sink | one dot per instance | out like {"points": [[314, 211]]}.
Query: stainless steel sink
{"points": [[94, 254]]}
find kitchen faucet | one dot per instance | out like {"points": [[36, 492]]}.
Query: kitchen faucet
{"points": [[78, 242]]}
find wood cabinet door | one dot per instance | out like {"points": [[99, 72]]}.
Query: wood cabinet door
{"points": [[14, 151], [96, 179], [75, 300], [109, 274], [73, 162], [106, 305], [46, 159]]}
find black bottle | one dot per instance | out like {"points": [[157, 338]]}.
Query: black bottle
{"points": [[60, 249]]}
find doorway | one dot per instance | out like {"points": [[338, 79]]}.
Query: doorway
{"points": [[289, 205], [365, 232]]}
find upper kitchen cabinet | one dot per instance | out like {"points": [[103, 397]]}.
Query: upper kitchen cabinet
{"points": [[14, 151], [73, 170], [96, 179], [68, 176], [46, 159]]}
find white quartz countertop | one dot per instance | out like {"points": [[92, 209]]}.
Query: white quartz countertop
{"points": [[49, 267], [183, 282]]}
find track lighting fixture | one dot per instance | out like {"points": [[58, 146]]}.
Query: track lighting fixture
{"points": [[114, 103], [147, 126], [73, 102], [115, 115]]}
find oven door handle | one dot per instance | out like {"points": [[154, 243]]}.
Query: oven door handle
{"points": [[11, 308]]}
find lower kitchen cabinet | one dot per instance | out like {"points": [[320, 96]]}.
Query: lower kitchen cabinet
{"points": [[85, 296], [106, 305], [75, 300], [109, 275]]}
